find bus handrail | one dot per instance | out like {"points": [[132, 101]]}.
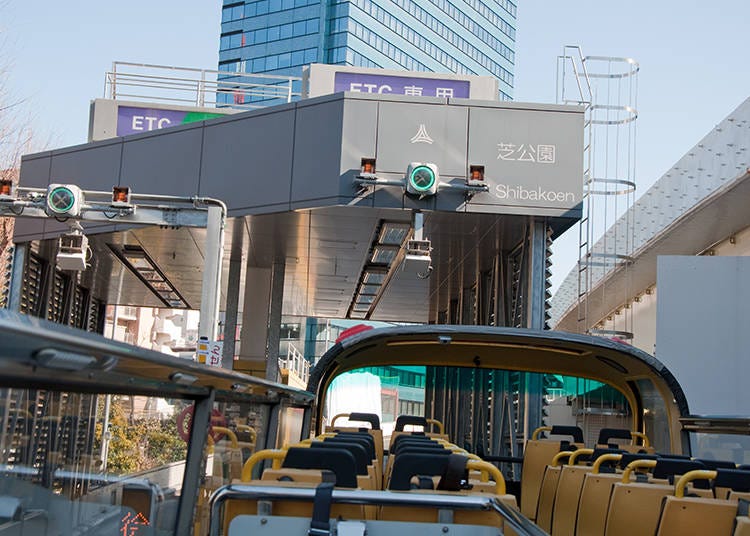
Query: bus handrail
{"points": [[367, 497]]}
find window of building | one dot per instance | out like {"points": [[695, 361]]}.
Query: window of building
{"points": [[233, 12], [289, 331]]}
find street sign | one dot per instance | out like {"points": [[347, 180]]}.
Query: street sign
{"points": [[319, 79], [209, 352]]}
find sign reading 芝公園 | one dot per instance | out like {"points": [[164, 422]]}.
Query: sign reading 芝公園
{"points": [[401, 85], [133, 120]]}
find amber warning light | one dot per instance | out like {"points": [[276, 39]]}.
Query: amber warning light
{"points": [[6, 187], [476, 173], [368, 165], [120, 195]]}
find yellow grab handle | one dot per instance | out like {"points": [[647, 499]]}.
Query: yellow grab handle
{"points": [[636, 464], [339, 416], [643, 437], [605, 458], [699, 474], [487, 469], [270, 454], [535, 433], [574, 457], [230, 434], [559, 456], [440, 427]]}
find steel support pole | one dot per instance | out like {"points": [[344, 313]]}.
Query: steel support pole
{"points": [[211, 290], [537, 269], [274, 320], [233, 294], [194, 463], [535, 293], [16, 277]]}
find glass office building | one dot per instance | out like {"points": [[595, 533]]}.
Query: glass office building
{"points": [[447, 36]]}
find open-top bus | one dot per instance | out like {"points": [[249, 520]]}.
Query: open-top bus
{"points": [[100, 437]]}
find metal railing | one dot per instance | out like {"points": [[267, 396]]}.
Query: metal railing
{"points": [[451, 502], [197, 87], [296, 363]]}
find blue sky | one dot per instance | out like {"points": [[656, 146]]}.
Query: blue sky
{"points": [[692, 55]]}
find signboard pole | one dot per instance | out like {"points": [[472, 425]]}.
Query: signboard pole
{"points": [[208, 326]]}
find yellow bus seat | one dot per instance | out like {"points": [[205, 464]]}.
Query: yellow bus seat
{"points": [[436, 464], [634, 508], [607, 435], [368, 442], [594, 503], [374, 431], [567, 495], [364, 464], [429, 464], [694, 515], [546, 497], [742, 526], [403, 421], [732, 483], [536, 456]]}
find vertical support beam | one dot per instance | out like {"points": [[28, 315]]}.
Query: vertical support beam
{"points": [[210, 293], [535, 318], [274, 320], [194, 463], [537, 277], [439, 386], [429, 392], [16, 276], [418, 225], [233, 294], [255, 321]]}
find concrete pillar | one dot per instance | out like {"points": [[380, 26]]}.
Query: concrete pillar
{"points": [[274, 319], [233, 293], [255, 311]]}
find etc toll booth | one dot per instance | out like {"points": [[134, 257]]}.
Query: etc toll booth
{"points": [[358, 205]]}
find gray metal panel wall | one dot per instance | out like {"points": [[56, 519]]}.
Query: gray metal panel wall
{"points": [[359, 135], [703, 308], [317, 153], [306, 155], [247, 160], [163, 163], [90, 166], [35, 175], [445, 144], [510, 144]]}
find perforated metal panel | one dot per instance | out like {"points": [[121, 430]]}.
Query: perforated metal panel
{"points": [[31, 295], [94, 320], [58, 298], [78, 307]]}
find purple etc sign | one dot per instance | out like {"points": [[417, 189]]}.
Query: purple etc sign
{"points": [[133, 119], [401, 85]]}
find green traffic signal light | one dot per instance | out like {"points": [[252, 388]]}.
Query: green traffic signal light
{"points": [[422, 178], [61, 199]]}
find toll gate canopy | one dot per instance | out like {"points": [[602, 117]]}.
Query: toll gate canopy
{"points": [[297, 210]]}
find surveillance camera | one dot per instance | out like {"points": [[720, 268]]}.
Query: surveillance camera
{"points": [[72, 252], [417, 259]]}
